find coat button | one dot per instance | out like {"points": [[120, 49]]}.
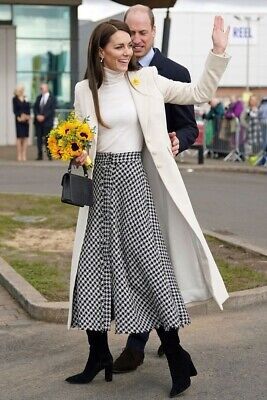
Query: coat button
{"points": [[159, 165]]}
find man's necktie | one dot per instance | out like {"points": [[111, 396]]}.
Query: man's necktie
{"points": [[42, 104]]}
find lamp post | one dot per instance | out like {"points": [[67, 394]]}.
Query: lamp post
{"points": [[248, 20], [166, 34]]}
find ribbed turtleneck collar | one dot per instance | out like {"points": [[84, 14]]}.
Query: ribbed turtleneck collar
{"points": [[112, 77]]}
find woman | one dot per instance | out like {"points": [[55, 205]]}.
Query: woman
{"points": [[214, 118], [141, 236], [21, 109], [249, 120]]}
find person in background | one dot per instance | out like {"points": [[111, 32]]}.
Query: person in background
{"points": [[231, 125], [181, 125], [215, 116], [44, 113], [235, 108], [21, 109], [263, 121], [249, 120]]}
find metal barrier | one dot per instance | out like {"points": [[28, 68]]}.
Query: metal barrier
{"points": [[234, 141], [225, 139], [235, 154]]}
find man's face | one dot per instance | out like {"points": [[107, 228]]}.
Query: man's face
{"points": [[142, 33], [44, 88]]}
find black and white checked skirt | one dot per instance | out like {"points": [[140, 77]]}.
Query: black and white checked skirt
{"points": [[124, 270]]}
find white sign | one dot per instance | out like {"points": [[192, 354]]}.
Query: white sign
{"points": [[242, 31]]}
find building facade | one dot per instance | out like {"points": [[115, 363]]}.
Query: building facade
{"points": [[38, 43]]}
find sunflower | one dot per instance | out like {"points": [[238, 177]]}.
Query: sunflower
{"points": [[84, 132], [66, 127]]}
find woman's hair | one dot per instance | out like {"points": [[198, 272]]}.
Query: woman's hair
{"points": [[253, 100], [19, 90], [95, 71]]}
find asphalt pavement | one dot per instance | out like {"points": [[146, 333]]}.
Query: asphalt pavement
{"points": [[231, 204], [228, 349]]}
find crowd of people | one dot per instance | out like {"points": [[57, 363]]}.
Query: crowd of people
{"points": [[236, 124]]}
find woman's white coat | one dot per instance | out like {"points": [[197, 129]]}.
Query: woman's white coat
{"points": [[195, 269]]}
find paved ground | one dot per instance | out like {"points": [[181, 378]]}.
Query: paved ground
{"points": [[229, 350], [10, 311], [230, 203]]}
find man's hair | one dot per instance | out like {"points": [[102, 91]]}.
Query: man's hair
{"points": [[139, 7]]}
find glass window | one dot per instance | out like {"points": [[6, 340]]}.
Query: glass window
{"points": [[43, 50], [43, 55], [5, 12], [42, 21]]}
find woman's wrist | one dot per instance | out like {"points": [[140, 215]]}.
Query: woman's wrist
{"points": [[218, 50]]}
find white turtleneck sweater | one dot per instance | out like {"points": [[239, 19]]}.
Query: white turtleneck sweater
{"points": [[118, 111]]}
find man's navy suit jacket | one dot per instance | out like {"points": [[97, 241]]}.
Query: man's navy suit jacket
{"points": [[180, 119], [48, 111]]}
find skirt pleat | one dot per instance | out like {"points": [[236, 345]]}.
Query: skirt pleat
{"points": [[124, 270]]}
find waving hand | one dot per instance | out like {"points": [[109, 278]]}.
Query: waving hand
{"points": [[219, 36]]}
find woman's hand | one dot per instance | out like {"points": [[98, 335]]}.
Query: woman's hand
{"points": [[219, 36], [80, 160]]}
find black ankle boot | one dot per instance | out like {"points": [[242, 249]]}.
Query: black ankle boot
{"points": [[99, 358], [179, 361], [193, 371]]}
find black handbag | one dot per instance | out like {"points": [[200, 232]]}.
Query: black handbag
{"points": [[76, 189]]}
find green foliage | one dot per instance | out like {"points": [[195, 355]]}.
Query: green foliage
{"points": [[240, 277], [45, 278], [59, 215]]}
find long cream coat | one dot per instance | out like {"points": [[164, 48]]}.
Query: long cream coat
{"points": [[195, 269]]}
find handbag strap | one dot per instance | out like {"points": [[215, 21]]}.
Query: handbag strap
{"points": [[84, 169]]}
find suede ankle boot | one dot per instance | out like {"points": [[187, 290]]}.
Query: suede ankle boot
{"points": [[99, 358], [179, 361]]}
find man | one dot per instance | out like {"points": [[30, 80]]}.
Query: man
{"points": [[182, 130], [44, 114]]}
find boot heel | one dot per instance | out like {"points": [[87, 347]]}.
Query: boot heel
{"points": [[108, 373], [193, 371]]}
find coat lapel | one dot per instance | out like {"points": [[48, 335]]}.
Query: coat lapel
{"points": [[157, 61]]}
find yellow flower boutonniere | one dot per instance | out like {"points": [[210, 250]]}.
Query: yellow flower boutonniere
{"points": [[135, 81]]}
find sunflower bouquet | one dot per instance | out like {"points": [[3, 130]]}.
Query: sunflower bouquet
{"points": [[70, 137]]}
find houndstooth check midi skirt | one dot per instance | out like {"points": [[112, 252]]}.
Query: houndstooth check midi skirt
{"points": [[124, 270]]}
